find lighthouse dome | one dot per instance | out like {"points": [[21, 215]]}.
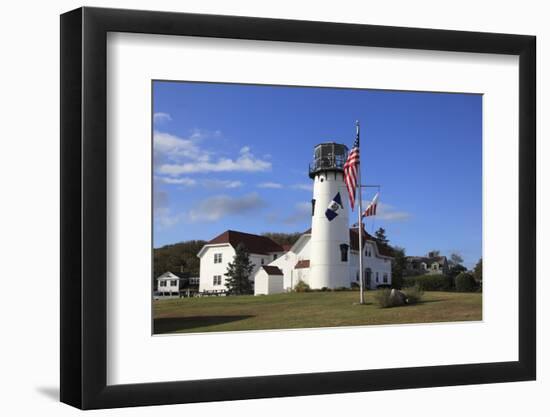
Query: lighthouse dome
{"points": [[328, 156]]}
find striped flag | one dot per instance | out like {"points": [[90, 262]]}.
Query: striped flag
{"points": [[350, 171], [371, 208]]}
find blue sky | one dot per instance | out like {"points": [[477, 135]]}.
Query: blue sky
{"points": [[230, 156]]}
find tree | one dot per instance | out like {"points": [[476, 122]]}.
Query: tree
{"points": [[456, 259], [478, 270], [238, 272], [283, 238], [455, 270], [398, 266], [178, 257], [380, 234]]}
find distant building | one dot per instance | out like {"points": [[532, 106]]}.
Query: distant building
{"points": [[177, 283], [171, 283], [432, 263]]}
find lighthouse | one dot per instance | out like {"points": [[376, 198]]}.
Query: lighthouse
{"points": [[329, 257]]}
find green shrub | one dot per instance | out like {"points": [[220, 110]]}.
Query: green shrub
{"points": [[435, 282], [465, 282], [382, 298], [341, 289], [301, 286], [324, 289], [414, 294]]}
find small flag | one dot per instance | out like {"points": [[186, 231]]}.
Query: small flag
{"points": [[371, 208], [351, 170], [334, 206]]}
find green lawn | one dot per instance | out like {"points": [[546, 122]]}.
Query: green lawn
{"points": [[303, 310]]}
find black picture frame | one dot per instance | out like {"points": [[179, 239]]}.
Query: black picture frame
{"points": [[84, 207]]}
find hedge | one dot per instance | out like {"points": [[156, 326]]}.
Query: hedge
{"points": [[436, 282], [465, 282]]}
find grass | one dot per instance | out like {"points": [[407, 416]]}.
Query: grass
{"points": [[306, 310]]}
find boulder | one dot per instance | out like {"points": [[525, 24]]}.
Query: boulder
{"points": [[397, 297]]}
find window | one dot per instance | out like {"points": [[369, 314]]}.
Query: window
{"points": [[376, 276], [173, 283], [312, 207], [344, 252], [357, 276], [162, 283], [274, 256], [217, 280], [262, 261], [217, 258], [385, 279]]}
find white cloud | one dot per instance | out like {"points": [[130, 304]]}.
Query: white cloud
{"points": [[270, 185], [302, 211], [165, 219], [161, 117], [214, 183], [305, 187], [189, 182], [163, 216], [216, 207], [172, 147], [244, 163], [245, 150], [200, 134], [388, 212]]}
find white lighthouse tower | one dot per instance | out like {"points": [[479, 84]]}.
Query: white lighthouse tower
{"points": [[329, 256]]}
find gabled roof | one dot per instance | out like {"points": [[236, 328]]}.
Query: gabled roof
{"points": [[253, 243], [272, 270], [304, 263], [383, 249], [179, 275]]}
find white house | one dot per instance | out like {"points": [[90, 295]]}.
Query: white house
{"points": [[219, 252], [169, 284], [326, 256], [268, 280]]}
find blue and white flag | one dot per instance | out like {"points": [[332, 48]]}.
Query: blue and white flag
{"points": [[334, 207]]}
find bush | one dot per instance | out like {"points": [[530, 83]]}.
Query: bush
{"points": [[354, 286], [465, 282], [341, 289], [436, 282], [324, 289], [414, 294], [383, 298], [301, 286]]}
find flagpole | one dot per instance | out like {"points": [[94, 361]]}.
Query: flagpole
{"points": [[360, 222]]}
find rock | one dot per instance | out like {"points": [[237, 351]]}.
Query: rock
{"points": [[397, 297]]}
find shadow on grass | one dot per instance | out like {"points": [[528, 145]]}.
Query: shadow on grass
{"points": [[175, 324], [430, 301]]}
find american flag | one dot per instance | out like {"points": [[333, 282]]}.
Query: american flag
{"points": [[350, 171], [371, 208]]}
